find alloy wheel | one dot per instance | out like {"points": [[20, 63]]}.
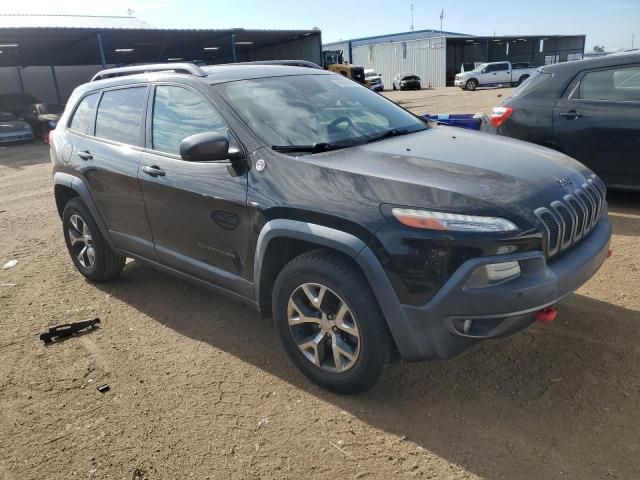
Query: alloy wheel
{"points": [[323, 327], [81, 241]]}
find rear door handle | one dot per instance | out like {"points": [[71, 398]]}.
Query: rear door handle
{"points": [[153, 170], [85, 155], [571, 114]]}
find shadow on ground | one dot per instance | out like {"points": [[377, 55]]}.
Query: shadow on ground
{"points": [[528, 397]]}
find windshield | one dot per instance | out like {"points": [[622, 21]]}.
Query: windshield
{"points": [[370, 73], [316, 109]]}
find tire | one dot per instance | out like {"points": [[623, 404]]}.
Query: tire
{"points": [[471, 84], [521, 79], [81, 232], [394, 86], [345, 286]]}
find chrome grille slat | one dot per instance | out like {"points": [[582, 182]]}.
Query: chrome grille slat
{"points": [[570, 219]]}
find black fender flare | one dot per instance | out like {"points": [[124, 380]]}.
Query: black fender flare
{"points": [[80, 187], [364, 258]]}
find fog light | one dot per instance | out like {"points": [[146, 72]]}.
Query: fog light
{"points": [[466, 326], [494, 274]]}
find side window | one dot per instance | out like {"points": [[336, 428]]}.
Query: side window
{"points": [[120, 115], [501, 67], [83, 116], [491, 68], [179, 113], [617, 84]]}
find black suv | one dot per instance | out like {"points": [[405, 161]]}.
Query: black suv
{"points": [[357, 227]]}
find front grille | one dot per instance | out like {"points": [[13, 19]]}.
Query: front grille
{"points": [[570, 219]]}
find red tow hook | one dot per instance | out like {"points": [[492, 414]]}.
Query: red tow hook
{"points": [[609, 253], [546, 315]]}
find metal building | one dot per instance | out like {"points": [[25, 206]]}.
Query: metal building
{"points": [[49, 55], [437, 56]]}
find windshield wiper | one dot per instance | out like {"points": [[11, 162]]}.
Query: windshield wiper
{"points": [[315, 148], [394, 132]]}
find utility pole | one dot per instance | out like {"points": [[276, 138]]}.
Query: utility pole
{"points": [[441, 18], [633, 40], [412, 17]]}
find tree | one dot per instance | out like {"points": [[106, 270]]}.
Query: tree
{"points": [[598, 49]]}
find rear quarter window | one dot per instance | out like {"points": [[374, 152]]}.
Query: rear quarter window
{"points": [[83, 115]]}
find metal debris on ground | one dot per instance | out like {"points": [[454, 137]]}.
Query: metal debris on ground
{"points": [[68, 329], [104, 388], [10, 264]]}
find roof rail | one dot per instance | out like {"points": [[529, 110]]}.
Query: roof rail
{"points": [[188, 68], [289, 63]]}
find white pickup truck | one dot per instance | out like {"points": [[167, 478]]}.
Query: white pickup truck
{"points": [[493, 74]]}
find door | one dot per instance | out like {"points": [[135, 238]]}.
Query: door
{"points": [[496, 73], [107, 157], [197, 210], [598, 123]]}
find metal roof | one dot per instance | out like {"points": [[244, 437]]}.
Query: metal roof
{"points": [[398, 37], [72, 43], [70, 21]]}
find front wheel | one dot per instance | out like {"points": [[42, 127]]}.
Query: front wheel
{"points": [[471, 84], [89, 251], [330, 323]]}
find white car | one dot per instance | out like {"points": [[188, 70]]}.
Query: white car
{"points": [[496, 73], [375, 80], [406, 81]]}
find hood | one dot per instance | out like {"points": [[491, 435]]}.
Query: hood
{"points": [[453, 169], [13, 126]]}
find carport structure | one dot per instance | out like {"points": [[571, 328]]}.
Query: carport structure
{"points": [[59, 41]]}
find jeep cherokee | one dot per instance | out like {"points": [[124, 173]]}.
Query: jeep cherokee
{"points": [[357, 227]]}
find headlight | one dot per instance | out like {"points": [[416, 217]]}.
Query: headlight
{"points": [[494, 274], [451, 221]]}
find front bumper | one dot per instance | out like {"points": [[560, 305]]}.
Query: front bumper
{"points": [[21, 136], [435, 330], [460, 82]]}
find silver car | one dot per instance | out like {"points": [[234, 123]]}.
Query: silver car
{"points": [[12, 129]]}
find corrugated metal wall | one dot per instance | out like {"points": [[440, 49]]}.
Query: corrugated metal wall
{"points": [[39, 82], [305, 48], [426, 58]]}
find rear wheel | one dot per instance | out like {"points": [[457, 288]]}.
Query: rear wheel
{"points": [[471, 84], [330, 323], [521, 79], [88, 249]]}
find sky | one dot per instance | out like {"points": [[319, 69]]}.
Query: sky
{"points": [[611, 23]]}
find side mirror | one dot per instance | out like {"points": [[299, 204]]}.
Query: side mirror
{"points": [[208, 146], [484, 70]]}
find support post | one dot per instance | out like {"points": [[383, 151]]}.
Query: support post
{"points": [[19, 72], [101, 48], [233, 48], [55, 83]]}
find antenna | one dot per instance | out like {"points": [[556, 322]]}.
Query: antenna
{"points": [[412, 17]]}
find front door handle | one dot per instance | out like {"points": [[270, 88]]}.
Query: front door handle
{"points": [[85, 155], [571, 114], [153, 170]]}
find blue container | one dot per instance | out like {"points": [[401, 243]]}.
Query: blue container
{"points": [[462, 120]]}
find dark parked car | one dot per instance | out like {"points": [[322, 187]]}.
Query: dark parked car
{"points": [[44, 118], [589, 109], [356, 226], [406, 81], [17, 103]]}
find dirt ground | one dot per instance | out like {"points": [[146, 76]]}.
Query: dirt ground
{"points": [[201, 389]]}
